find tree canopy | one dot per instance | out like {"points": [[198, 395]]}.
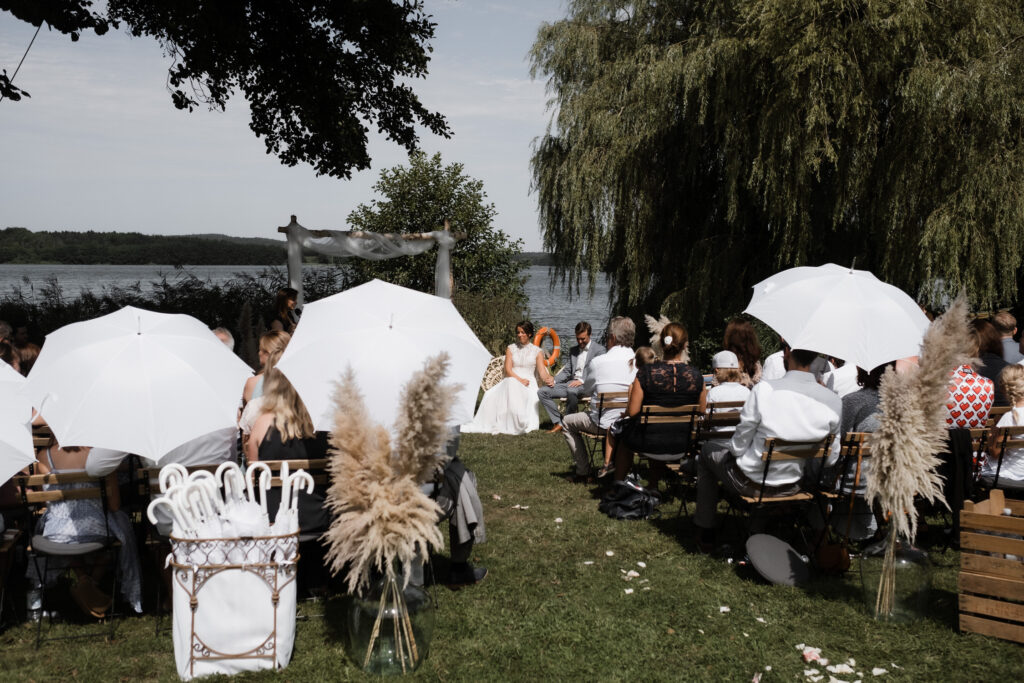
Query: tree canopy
{"points": [[419, 198], [317, 74], [697, 147]]}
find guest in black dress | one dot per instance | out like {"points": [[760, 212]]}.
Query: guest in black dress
{"points": [[284, 316], [670, 382], [285, 432]]}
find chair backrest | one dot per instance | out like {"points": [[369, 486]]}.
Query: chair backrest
{"points": [[780, 449], [995, 413], [855, 447], [998, 441], [317, 468], [685, 419], [41, 436], [611, 400], [721, 420], [32, 493]]}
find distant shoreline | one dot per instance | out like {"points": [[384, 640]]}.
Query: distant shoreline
{"points": [[22, 246]]}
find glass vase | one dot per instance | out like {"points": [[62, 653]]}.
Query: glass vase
{"points": [[390, 627], [908, 580]]}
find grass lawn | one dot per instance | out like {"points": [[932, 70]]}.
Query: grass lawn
{"points": [[554, 606]]}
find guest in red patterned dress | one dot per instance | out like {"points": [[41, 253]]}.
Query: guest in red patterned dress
{"points": [[970, 395]]}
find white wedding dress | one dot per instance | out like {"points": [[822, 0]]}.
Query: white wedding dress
{"points": [[509, 407]]}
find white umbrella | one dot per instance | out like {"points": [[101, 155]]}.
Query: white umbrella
{"points": [[841, 312], [384, 333], [135, 381], [16, 450]]}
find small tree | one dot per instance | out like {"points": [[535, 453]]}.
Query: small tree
{"points": [[419, 198]]}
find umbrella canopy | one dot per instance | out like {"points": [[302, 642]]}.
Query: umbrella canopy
{"points": [[384, 333], [841, 312], [16, 449], [136, 381]]}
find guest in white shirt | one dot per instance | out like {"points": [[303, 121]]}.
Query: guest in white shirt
{"points": [[611, 371], [794, 408]]}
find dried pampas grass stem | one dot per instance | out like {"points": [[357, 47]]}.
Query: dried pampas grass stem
{"points": [[911, 434]]}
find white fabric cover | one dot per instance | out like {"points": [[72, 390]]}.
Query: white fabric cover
{"points": [[374, 247]]}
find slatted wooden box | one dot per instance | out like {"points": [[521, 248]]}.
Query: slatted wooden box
{"points": [[992, 568]]}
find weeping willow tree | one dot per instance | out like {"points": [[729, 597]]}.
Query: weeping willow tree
{"points": [[696, 147]]}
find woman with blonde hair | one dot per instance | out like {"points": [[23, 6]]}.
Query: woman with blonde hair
{"points": [[1011, 469], [284, 431], [270, 342]]}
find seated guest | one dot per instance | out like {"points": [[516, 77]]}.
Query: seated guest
{"points": [[970, 394], [1011, 471], [794, 408], [568, 383], [671, 383], [644, 356], [842, 378], [510, 406], [1006, 324], [990, 353], [612, 371], [9, 355], [225, 336], [861, 413], [728, 385], [84, 521], [284, 317], [285, 432], [741, 338], [270, 342]]}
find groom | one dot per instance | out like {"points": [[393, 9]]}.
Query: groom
{"points": [[568, 384]]}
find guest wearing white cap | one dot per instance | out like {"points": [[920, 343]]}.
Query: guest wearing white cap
{"points": [[728, 377]]}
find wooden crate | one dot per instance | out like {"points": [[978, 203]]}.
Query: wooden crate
{"points": [[991, 583]]}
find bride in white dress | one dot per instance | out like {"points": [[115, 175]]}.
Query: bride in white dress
{"points": [[510, 407]]}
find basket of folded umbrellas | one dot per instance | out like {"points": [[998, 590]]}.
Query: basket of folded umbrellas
{"points": [[233, 571]]}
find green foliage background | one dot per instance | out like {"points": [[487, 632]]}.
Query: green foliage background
{"points": [[697, 147], [486, 264]]}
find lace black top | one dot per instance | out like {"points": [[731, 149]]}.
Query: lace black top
{"points": [[670, 384], [664, 384]]}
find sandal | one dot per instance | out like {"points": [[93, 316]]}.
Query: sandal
{"points": [[605, 471]]}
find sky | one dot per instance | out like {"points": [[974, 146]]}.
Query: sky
{"points": [[99, 146]]}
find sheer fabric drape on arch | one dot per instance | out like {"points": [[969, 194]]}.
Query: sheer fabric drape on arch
{"points": [[372, 246]]}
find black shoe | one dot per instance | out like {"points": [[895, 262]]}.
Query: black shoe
{"points": [[466, 575]]}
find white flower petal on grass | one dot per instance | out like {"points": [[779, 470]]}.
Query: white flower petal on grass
{"points": [[495, 496], [642, 565], [609, 553], [589, 562], [700, 631], [878, 671], [800, 646], [761, 619], [629, 591], [647, 588], [558, 520], [723, 609], [746, 635], [632, 574], [768, 667], [810, 672]]}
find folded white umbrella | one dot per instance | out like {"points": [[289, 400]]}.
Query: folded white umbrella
{"points": [[841, 312], [136, 381], [384, 333]]}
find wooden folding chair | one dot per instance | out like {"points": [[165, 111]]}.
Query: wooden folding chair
{"points": [[780, 450], [994, 414], [846, 488], [721, 421], [606, 400], [42, 550], [1001, 438]]}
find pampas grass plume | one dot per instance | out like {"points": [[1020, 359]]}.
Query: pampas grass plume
{"points": [[912, 429], [380, 516]]}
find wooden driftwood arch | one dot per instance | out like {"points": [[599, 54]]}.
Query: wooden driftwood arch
{"points": [[370, 245]]}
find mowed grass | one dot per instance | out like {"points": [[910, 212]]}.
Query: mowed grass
{"points": [[554, 606]]}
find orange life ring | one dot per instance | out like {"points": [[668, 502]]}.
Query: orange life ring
{"points": [[539, 337]]}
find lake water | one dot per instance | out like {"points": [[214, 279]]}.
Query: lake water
{"points": [[548, 306]]}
